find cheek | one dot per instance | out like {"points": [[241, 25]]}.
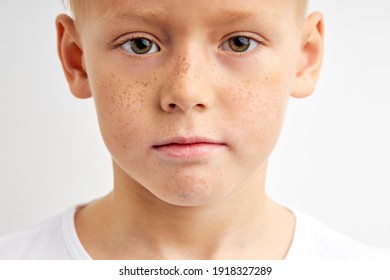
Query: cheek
{"points": [[261, 102], [257, 111], [258, 90], [121, 107]]}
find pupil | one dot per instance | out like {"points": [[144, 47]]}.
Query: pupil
{"points": [[142, 43], [241, 41], [239, 44]]}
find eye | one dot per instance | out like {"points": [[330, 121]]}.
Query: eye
{"points": [[239, 44], [140, 46]]}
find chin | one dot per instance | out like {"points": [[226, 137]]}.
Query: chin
{"points": [[189, 196]]}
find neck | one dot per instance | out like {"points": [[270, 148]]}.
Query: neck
{"points": [[152, 228]]}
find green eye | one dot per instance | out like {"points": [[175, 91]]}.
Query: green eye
{"points": [[239, 44], [140, 46]]}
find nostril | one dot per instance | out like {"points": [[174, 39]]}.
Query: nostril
{"points": [[184, 106], [201, 106]]}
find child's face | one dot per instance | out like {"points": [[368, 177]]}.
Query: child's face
{"points": [[221, 70]]}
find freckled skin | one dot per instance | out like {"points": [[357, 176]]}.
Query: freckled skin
{"points": [[241, 101], [193, 208]]}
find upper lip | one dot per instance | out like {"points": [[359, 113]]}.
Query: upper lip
{"points": [[187, 140]]}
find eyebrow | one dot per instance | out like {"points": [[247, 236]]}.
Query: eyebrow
{"points": [[244, 14], [157, 15], [117, 15]]}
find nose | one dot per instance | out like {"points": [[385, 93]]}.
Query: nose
{"points": [[187, 84]]}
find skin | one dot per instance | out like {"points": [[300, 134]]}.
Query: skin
{"points": [[209, 207]]}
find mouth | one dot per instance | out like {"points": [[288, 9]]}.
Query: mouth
{"points": [[188, 147]]}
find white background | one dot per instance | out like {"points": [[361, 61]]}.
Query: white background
{"points": [[332, 160]]}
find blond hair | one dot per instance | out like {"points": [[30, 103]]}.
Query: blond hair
{"points": [[71, 6], [74, 8]]}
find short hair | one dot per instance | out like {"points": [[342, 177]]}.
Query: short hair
{"points": [[74, 7], [303, 5]]}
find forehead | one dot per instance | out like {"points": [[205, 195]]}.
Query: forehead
{"points": [[109, 10]]}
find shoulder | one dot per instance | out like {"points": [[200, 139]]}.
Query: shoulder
{"points": [[314, 240], [43, 241]]}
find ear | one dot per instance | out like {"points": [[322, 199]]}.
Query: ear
{"points": [[71, 56], [310, 56]]}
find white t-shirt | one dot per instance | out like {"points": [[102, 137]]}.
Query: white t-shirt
{"points": [[56, 239]]}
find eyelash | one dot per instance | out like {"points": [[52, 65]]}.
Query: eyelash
{"points": [[156, 48], [248, 51], [122, 44]]}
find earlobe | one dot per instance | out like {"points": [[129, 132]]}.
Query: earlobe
{"points": [[71, 56], [310, 57]]}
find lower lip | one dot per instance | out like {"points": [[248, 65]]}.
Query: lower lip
{"points": [[188, 150]]}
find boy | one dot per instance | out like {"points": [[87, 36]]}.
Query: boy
{"points": [[190, 98]]}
